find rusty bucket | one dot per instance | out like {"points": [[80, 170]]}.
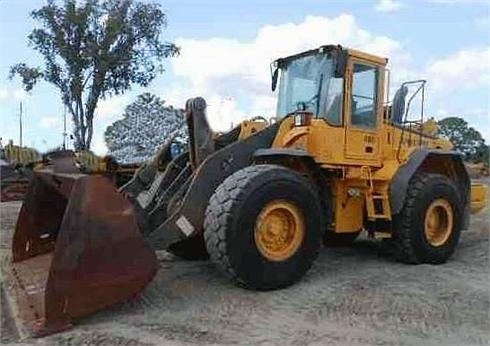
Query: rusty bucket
{"points": [[76, 249]]}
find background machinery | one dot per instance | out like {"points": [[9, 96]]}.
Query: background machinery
{"points": [[16, 164], [338, 159]]}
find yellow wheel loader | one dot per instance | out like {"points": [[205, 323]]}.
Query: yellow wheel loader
{"points": [[338, 158]]}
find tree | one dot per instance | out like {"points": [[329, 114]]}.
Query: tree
{"points": [[483, 155], [94, 49], [147, 124], [465, 139]]}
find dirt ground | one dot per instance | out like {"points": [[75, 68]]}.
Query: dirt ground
{"points": [[354, 295]]}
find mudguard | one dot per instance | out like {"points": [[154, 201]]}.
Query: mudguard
{"points": [[401, 179], [282, 152]]}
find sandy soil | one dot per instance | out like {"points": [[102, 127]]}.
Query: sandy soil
{"points": [[355, 295]]}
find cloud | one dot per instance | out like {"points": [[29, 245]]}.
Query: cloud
{"points": [[112, 107], [50, 122], [479, 119], [388, 6], [17, 94], [4, 94], [467, 68], [234, 76], [108, 110], [464, 71], [222, 110], [98, 145]]}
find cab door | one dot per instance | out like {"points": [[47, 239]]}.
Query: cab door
{"points": [[362, 107]]}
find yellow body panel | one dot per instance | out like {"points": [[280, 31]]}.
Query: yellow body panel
{"points": [[367, 57], [333, 149], [479, 197], [286, 126], [249, 127], [348, 207], [365, 159]]}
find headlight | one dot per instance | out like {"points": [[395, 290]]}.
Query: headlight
{"points": [[302, 119], [298, 120]]}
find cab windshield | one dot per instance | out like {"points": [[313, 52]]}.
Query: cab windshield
{"points": [[307, 83]]}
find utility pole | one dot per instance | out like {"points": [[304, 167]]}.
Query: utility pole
{"points": [[64, 128], [20, 124]]}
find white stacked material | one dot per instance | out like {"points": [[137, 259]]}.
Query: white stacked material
{"points": [[147, 124]]}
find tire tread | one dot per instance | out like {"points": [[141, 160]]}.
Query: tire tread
{"points": [[404, 246], [219, 215]]}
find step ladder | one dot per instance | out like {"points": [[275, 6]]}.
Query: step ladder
{"points": [[376, 198]]}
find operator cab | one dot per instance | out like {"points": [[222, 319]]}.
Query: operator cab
{"points": [[341, 90], [314, 81]]}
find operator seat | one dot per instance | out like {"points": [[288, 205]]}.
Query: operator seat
{"points": [[398, 105]]}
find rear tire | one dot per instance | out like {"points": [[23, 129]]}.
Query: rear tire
{"points": [[428, 227], [235, 226]]}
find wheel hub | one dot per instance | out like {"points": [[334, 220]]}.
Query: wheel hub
{"points": [[279, 230], [439, 221]]}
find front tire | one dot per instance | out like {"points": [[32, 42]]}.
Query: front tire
{"points": [[428, 227], [262, 227]]}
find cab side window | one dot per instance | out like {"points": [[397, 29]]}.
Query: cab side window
{"points": [[364, 95]]}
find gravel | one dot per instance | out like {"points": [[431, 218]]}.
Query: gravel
{"points": [[351, 296]]}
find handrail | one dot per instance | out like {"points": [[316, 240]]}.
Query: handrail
{"points": [[421, 88]]}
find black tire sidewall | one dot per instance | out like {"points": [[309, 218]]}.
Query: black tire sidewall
{"points": [[249, 264], [435, 189]]}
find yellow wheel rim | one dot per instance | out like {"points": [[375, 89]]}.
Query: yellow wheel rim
{"points": [[439, 220], [279, 230]]}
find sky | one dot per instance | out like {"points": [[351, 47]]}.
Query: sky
{"points": [[227, 46]]}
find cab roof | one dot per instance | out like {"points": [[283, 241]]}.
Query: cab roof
{"points": [[338, 50]]}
